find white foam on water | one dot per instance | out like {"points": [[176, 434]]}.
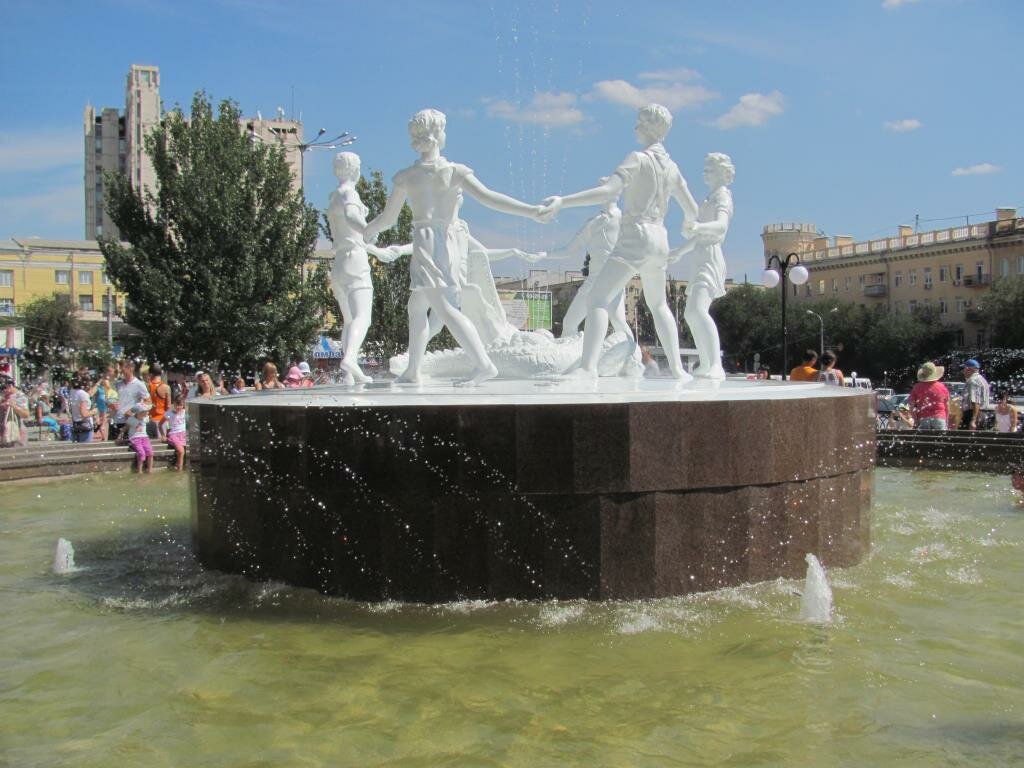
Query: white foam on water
{"points": [[965, 575], [638, 623], [558, 614], [466, 606], [901, 580], [816, 601]]}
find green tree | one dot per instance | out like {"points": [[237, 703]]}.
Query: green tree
{"points": [[214, 259], [894, 341], [1003, 309], [53, 335], [748, 320]]}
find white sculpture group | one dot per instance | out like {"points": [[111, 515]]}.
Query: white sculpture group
{"points": [[451, 281]]}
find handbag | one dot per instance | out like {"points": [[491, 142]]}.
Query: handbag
{"points": [[11, 427]]}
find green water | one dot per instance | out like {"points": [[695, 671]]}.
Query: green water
{"points": [[142, 659]]}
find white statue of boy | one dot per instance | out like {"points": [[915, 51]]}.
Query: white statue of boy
{"points": [[350, 273], [646, 180], [432, 185], [707, 270], [597, 237]]}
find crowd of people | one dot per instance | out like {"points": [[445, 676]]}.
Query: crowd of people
{"points": [[128, 405]]}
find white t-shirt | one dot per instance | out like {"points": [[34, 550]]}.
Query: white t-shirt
{"points": [[129, 395], [136, 425], [79, 396], [176, 421]]}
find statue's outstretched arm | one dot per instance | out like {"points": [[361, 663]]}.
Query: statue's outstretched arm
{"points": [[599, 195], [681, 194], [388, 217], [498, 201]]}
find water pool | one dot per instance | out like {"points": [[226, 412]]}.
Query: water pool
{"points": [[141, 658]]}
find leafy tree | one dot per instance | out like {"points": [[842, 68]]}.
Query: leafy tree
{"points": [[53, 335], [894, 340], [214, 262], [748, 319], [1003, 309]]}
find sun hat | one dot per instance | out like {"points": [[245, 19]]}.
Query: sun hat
{"points": [[304, 368], [294, 374], [972, 363], [930, 372]]}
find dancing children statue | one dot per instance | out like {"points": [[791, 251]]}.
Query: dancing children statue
{"points": [[707, 270], [432, 185], [646, 180], [597, 237], [350, 273]]}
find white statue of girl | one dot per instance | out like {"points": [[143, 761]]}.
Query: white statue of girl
{"points": [[707, 270], [432, 186], [350, 273]]}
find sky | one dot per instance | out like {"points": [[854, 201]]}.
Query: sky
{"points": [[855, 116]]}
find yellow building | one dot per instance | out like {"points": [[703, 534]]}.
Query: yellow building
{"points": [[32, 268], [949, 269]]}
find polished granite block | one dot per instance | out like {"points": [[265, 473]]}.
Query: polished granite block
{"points": [[593, 499]]}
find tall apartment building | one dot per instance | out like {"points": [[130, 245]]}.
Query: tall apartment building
{"points": [[951, 269], [115, 142]]}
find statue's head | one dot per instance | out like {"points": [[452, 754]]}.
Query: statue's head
{"points": [[346, 166], [653, 123], [718, 169], [426, 130]]}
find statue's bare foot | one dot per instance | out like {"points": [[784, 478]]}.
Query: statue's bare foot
{"points": [[353, 370], [348, 379], [715, 373], [480, 375], [409, 377], [680, 374]]}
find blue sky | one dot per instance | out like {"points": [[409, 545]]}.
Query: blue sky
{"points": [[852, 115]]}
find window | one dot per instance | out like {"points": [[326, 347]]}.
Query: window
{"points": [[979, 268], [1004, 268], [981, 338], [6, 306], [958, 273], [898, 307], [943, 274], [821, 287], [1020, 264], [912, 277], [105, 277], [927, 277], [862, 280], [943, 307], [85, 302], [62, 277], [6, 278], [85, 278], [835, 285], [847, 285], [897, 278], [960, 337], [912, 305], [926, 303], [808, 291], [959, 305]]}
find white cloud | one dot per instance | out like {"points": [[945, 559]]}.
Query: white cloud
{"points": [[902, 126], [673, 88], [892, 5], [545, 108], [752, 109], [40, 150], [976, 170]]}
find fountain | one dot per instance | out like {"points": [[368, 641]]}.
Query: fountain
{"points": [[63, 558], [516, 472], [816, 599]]}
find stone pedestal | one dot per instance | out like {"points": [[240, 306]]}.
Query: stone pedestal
{"points": [[620, 490]]}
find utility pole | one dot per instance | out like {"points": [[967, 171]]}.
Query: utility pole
{"points": [[110, 316]]}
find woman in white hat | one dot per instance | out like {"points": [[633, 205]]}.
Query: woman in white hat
{"points": [[929, 399]]}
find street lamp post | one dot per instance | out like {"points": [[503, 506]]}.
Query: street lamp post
{"points": [[775, 274], [821, 334], [343, 139]]}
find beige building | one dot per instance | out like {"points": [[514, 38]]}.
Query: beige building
{"points": [[115, 142], [950, 269]]}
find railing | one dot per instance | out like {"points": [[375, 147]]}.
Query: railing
{"points": [[977, 281], [969, 232], [790, 227], [874, 290], [973, 316]]}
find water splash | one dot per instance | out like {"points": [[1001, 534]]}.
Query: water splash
{"points": [[816, 601], [63, 558]]}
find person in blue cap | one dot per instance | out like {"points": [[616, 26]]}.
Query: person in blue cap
{"points": [[975, 398]]}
